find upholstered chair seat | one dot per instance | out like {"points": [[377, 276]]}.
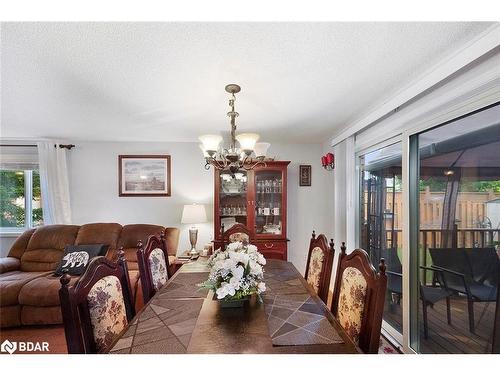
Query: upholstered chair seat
{"points": [[319, 265], [358, 300], [98, 307], [153, 262]]}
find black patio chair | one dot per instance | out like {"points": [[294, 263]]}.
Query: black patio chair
{"points": [[429, 295], [394, 273], [475, 281], [432, 294]]}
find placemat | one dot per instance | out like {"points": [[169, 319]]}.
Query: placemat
{"points": [[298, 320], [165, 326]]}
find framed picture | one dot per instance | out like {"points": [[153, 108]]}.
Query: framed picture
{"points": [[144, 175], [304, 175]]}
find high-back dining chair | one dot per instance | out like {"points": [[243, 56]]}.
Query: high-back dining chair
{"points": [[358, 300], [153, 265], [238, 232], [319, 265], [98, 307]]}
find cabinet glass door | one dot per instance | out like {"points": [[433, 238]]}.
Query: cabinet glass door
{"points": [[233, 199], [268, 203]]}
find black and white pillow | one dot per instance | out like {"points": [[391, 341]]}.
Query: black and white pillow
{"points": [[77, 257]]}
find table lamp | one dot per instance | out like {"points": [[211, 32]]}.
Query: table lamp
{"points": [[193, 214]]}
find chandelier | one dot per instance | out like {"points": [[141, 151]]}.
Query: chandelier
{"points": [[247, 156]]}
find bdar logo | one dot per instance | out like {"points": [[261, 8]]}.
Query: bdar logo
{"points": [[9, 347]]}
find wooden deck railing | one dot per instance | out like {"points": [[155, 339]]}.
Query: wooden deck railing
{"points": [[460, 237]]}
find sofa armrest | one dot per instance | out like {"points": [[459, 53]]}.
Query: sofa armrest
{"points": [[9, 264]]}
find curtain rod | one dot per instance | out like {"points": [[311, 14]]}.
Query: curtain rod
{"points": [[69, 146]]}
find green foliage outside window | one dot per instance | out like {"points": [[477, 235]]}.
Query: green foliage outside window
{"points": [[12, 197]]}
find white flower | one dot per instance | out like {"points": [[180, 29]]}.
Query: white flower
{"points": [[261, 287], [237, 272], [225, 290], [261, 259], [234, 246], [252, 248], [239, 257], [255, 268]]}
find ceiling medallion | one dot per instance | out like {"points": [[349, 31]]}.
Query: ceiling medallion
{"points": [[233, 158]]}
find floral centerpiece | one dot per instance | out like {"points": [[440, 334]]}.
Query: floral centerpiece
{"points": [[236, 273]]}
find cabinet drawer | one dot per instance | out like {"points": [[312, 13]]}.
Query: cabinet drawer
{"points": [[272, 249]]}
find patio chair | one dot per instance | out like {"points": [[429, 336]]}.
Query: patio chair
{"points": [[458, 273], [394, 273], [429, 295], [432, 294]]}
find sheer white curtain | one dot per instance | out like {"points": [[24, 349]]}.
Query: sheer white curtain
{"points": [[54, 183]]}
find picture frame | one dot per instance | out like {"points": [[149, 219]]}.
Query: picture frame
{"points": [[304, 175], [144, 176]]}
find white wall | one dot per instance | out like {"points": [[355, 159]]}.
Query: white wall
{"points": [[5, 244], [94, 190]]}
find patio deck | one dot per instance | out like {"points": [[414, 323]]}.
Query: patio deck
{"points": [[454, 338]]}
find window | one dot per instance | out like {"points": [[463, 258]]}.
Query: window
{"points": [[381, 222], [456, 234], [20, 195]]}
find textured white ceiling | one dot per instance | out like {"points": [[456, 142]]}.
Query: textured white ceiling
{"points": [[165, 81]]}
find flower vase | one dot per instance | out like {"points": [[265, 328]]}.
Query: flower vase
{"points": [[232, 303]]}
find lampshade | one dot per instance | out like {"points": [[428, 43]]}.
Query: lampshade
{"points": [[247, 140], [193, 214], [210, 142], [261, 148], [205, 154]]}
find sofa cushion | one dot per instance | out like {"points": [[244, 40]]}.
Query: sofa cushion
{"points": [[99, 233], [46, 245], [33, 315], [10, 316], [11, 284], [19, 246], [133, 233], [9, 264], [42, 291], [172, 239]]}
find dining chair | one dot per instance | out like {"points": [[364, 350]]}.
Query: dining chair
{"points": [[319, 265], [238, 232], [98, 307], [358, 300], [152, 260]]}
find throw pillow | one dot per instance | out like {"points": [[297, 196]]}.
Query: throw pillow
{"points": [[77, 257]]}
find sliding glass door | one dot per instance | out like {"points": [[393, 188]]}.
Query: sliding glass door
{"points": [[380, 223], [456, 234]]}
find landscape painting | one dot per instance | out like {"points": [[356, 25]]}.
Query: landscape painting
{"points": [[144, 175]]}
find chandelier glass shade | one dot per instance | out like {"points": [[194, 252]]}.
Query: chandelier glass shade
{"points": [[242, 153]]}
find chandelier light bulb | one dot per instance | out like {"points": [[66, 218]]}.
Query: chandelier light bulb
{"points": [[261, 148], [205, 154], [210, 142], [247, 141]]}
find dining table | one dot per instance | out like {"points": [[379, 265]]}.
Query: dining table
{"points": [[183, 318]]}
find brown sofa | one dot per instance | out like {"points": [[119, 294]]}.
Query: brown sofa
{"points": [[29, 293]]}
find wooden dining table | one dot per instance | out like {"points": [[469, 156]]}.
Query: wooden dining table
{"points": [[183, 318]]}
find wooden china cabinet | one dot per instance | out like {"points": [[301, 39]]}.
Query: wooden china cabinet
{"points": [[256, 199]]}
